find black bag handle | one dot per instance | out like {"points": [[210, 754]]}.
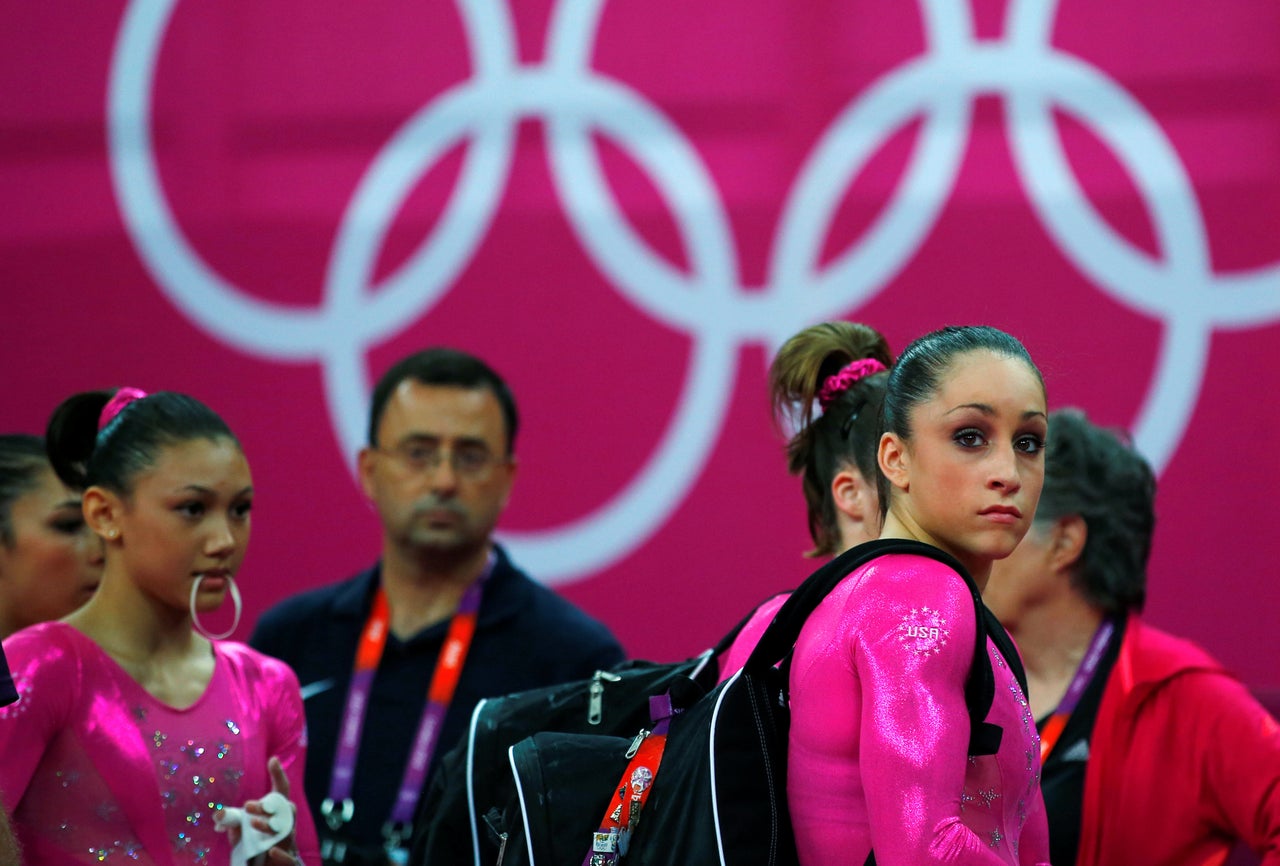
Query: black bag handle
{"points": [[779, 639]]}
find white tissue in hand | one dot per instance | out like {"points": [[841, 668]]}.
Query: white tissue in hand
{"points": [[253, 841]]}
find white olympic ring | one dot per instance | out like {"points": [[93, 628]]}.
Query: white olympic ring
{"points": [[709, 303]]}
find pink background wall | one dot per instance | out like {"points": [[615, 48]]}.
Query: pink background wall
{"points": [[625, 207]]}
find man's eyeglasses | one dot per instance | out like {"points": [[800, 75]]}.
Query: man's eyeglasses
{"points": [[471, 461]]}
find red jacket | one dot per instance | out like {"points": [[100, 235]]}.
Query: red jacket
{"points": [[1183, 761]]}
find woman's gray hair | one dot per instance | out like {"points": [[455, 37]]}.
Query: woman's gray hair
{"points": [[1097, 474]]}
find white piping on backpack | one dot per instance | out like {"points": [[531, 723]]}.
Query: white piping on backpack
{"points": [[711, 744], [524, 812], [471, 785]]}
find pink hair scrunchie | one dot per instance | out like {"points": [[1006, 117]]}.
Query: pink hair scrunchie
{"points": [[116, 405], [849, 374]]}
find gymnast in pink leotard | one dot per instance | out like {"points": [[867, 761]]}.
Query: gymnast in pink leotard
{"points": [[134, 726], [878, 746]]}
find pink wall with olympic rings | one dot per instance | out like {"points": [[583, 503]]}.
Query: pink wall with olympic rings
{"points": [[625, 207]]}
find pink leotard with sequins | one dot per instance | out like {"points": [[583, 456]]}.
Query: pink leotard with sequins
{"points": [[96, 770], [879, 728]]}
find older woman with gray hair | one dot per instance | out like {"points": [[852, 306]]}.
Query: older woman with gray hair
{"points": [[1152, 752]]}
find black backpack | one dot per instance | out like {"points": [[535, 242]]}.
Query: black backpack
{"points": [[719, 797], [465, 817]]}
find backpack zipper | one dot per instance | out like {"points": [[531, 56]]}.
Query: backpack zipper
{"points": [[595, 701]]}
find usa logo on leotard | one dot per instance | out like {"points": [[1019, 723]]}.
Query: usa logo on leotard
{"points": [[923, 631]]}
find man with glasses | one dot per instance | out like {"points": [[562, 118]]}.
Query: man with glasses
{"points": [[393, 661]]}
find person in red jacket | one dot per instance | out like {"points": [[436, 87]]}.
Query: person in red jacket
{"points": [[1153, 753]]}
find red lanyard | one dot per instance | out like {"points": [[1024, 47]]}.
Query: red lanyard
{"points": [[614, 836], [338, 807], [611, 840]]}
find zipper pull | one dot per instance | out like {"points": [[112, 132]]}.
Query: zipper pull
{"points": [[595, 695], [635, 744]]}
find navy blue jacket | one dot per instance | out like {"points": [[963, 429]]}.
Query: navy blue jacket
{"points": [[526, 637]]}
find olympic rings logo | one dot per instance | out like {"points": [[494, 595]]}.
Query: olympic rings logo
{"points": [[709, 302]]}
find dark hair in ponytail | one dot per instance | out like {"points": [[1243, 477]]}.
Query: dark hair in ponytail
{"points": [[847, 431], [84, 456]]}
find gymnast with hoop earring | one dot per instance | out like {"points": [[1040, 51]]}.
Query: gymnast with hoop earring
{"points": [[139, 733]]}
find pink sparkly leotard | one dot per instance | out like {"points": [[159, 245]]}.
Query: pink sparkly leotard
{"points": [[96, 770], [879, 729]]}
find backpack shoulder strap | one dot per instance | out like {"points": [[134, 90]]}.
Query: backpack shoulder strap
{"points": [[984, 738], [778, 640], [722, 646], [1005, 644]]}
